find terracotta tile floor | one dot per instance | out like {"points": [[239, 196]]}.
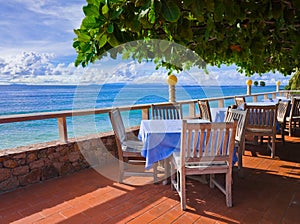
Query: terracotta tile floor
{"points": [[268, 193]]}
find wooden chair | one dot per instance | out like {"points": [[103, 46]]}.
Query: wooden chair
{"points": [[293, 120], [283, 108], [241, 117], [206, 148], [204, 110], [239, 101], [167, 112], [129, 150], [262, 122]]}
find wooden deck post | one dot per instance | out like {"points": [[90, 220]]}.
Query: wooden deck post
{"points": [[254, 98], [192, 110], [145, 114], [62, 128], [221, 103]]}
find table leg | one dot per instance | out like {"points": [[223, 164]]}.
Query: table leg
{"points": [[167, 171]]}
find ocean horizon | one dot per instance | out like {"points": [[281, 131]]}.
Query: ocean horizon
{"points": [[24, 99]]}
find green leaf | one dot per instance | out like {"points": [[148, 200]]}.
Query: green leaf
{"points": [[112, 40], [187, 4], [83, 37], [105, 9], [151, 14], [79, 59], [110, 28], [210, 5], [198, 10], [170, 11], [219, 11], [142, 3], [90, 10], [89, 22], [103, 40], [116, 13], [76, 44]]}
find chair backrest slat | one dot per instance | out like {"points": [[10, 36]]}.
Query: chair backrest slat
{"points": [[295, 110], [117, 124], [241, 117], [207, 141], [283, 107], [239, 100], [204, 110], [167, 112], [262, 117]]}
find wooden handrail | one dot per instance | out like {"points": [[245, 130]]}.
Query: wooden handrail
{"points": [[62, 115]]}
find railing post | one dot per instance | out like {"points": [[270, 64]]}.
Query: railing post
{"points": [[62, 128], [254, 98], [192, 110], [220, 103], [145, 114]]}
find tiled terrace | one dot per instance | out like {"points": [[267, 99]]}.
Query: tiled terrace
{"points": [[268, 193]]}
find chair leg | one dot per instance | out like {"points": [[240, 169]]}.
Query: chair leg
{"points": [[173, 172], [211, 178], [155, 180], [273, 146], [282, 133], [240, 160], [228, 189], [121, 171], [290, 128], [167, 170], [244, 147], [182, 191]]}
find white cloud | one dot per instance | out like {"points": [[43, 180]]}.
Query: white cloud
{"points": [[40, 68], [40, 26]]}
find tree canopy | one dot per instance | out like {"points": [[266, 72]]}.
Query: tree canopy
{"points": [[256, 36]]}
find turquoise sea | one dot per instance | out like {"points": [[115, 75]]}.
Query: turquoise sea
{"points": [[21, 99]]}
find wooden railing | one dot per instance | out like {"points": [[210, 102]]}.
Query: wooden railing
{"points": [[61, 116]]}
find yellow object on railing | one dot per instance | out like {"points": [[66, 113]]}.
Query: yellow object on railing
{"points": [[277, 86], [249, 83], [172, 80]]}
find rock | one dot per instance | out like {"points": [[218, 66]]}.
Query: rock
{"points": [[74, 156], [31, 157], [20, 170], [9, 184], [4, 174], [37, 164], [10, 163], [49, 172], [32, 177]]}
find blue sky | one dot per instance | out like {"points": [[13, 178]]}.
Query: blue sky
{"points": [[36, 39]]}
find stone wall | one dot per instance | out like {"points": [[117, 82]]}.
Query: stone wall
{"points": [[31, 164]]}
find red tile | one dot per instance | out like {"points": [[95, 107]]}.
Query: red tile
{"points": [[268, 193]]}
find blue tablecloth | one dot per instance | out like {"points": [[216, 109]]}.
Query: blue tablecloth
{"points": [[161, 138]]}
